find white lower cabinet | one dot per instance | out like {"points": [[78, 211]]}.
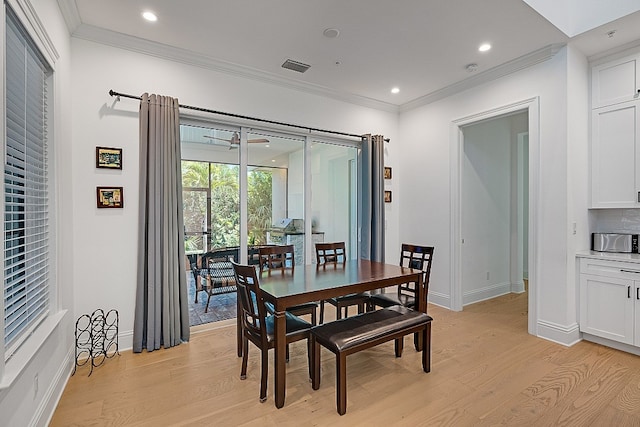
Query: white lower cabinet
{"points": [[610, 300]]}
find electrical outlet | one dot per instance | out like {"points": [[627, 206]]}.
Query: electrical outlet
{"points": [[35, 386], [488, 275]]}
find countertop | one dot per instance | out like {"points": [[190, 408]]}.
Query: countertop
{"points": [[609, 256]]}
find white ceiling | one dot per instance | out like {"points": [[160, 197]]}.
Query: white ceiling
{"points": [[420, 46]]}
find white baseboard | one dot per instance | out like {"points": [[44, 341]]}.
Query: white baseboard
{"points": [[440, 299], [125, 340], [47, 406], [486, 293], [518, 287], [564, 335]]}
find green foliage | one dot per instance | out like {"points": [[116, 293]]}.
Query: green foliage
{"points": [[222, 179], [259, 206]]}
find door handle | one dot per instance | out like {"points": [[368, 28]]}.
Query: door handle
{"points": [[638, 293], [629, 292], [629, 271]]}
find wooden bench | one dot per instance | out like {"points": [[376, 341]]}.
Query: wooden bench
{"points": [[347, 336]]}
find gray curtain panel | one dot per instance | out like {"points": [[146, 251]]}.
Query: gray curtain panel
{"points": [[161, 316], [371, 199]]}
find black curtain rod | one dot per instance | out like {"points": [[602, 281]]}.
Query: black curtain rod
{"points": [[206, 110]]}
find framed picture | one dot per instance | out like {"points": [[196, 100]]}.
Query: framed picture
{"points": [[109, 197], [387, 173], [387, 196], [109, 158]]}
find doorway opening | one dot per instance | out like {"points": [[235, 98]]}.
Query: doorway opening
{"points": [[494, 175]]}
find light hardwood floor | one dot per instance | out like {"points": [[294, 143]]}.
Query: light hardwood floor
{"points": [[486, 370]]}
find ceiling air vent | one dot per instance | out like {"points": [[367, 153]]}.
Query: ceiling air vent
{"points": [[295, 66]]}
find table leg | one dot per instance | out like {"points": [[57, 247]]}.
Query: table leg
{"points": [[280, 357]]}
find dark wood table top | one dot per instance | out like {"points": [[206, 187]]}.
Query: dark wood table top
{"points": [[312, 283]]}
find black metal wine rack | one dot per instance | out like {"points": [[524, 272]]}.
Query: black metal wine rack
{"points": [[96, 338]]}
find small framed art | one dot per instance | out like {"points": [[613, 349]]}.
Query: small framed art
{"points": [[109, 197], [387, 172], [387, 196], [109, 158]]}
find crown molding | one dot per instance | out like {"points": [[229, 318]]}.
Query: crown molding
{"points": [[494, 73], [159, 50], [69, 10], [29, 18]]}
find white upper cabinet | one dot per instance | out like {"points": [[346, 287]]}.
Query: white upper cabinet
{"points": [[615, 82], [615, 156]]}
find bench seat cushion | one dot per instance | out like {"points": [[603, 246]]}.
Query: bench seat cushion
{"points": [[354, 331]]}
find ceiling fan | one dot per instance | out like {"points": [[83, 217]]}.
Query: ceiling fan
{"points": [[234, 141]]}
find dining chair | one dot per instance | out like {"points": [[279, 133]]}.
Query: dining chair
{"points": [[412, 256], [259, 327], [334, 254], [217, 271], [282, 259]]}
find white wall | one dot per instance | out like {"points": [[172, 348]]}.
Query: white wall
{"points": [[108, 236], [425, 199], [577, 171], [486, 210], [20, 403]]}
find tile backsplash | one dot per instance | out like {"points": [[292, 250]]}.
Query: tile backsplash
{"points": [[616, 221]]}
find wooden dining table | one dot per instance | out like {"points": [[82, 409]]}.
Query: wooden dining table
{"points": [[312, 283]]}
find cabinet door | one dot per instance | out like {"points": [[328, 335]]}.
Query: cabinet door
{"points": [[614, 160], [636, 296], [614, 82], [607, 307]]}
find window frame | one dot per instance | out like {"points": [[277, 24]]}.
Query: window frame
{"points": [[14, 362]]}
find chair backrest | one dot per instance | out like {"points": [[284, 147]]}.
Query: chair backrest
{"points": [[273, 258], [252, 309], [417, 257], [330, 253], [219, 255]]}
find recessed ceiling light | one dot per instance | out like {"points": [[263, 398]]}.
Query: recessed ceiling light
{"points": [[331, 33], [150, 16], [484, 47], [395, 90], [273, 161]]}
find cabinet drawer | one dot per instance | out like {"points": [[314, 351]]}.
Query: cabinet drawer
{"points": [[597, 267]]}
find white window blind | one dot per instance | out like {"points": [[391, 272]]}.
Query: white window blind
{"points": [[26, 215]]}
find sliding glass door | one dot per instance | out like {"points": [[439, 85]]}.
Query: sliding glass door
{"points": [[334, 194], [210, 183], [275, 191], [280, 170]]}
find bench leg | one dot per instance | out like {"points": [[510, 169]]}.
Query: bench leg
{"points": [[399, 344], [426, 348], [315, 362], [341, 383]]}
